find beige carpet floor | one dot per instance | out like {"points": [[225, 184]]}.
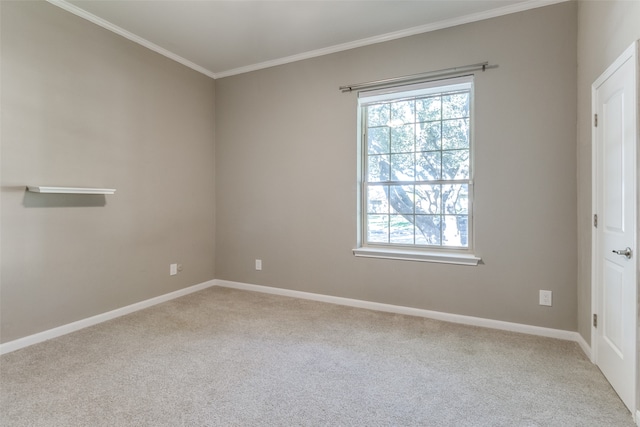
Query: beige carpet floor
{"points": [[223, 357]]}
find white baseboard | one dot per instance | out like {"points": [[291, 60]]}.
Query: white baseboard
{"points": [[584, 346], [94, 320], [447, 317]]}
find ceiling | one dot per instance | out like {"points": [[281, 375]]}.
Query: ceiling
{"points": [[223, 38]]}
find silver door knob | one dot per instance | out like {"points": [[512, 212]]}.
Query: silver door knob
{"points": [[626, 252]]}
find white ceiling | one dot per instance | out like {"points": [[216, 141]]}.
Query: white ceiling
{"points": [[222, 38]]}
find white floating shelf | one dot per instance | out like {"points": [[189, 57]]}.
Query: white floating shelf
{"points": [[70, 190]]}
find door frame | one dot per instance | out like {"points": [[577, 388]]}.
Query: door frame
{"points": [[630, 53]]}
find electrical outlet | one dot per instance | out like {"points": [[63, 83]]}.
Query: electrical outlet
{"points": [[545, 297], [179, 268], [173, 269], [258, 264]]}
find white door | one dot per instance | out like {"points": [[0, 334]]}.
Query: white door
{"points": [[614, 245]]}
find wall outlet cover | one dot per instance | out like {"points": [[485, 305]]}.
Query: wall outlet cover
{"points": [[546, 298]]}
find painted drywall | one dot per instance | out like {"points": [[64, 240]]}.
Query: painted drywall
{"points": [[286, 173], [605, 30], [82, 106]]}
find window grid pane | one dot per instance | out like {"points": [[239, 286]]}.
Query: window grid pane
{"points": [[418, 171]]}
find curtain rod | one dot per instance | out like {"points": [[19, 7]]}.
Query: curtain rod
{"points": [[412, 78]]}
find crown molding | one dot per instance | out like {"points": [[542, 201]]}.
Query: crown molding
{"points": [[448, 23], [128, 35]]}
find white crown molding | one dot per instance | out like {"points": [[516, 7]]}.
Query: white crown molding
{"points": [[128, 35], [505, 10], [480, 16]]}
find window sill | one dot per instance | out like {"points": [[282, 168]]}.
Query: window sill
{"points": [[424, 256]]}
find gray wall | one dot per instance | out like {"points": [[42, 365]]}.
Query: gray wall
{"points": [[82, 106], [605, 30], [286, 173]]}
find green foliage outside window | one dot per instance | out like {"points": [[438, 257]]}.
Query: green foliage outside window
{"points": [[417, 170]]}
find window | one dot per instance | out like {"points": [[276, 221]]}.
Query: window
{"points": [[416, 182]]}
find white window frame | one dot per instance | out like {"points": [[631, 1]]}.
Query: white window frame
{"points": [[439, 254]]}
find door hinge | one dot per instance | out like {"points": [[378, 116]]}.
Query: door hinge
{"points": [[595, 220], [595, 120], [595, 320]]}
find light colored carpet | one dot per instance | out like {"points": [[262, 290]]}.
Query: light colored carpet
{"points": [[224, 357]]}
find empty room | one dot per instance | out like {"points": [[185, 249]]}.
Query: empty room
{"points": [[319, 213]]}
